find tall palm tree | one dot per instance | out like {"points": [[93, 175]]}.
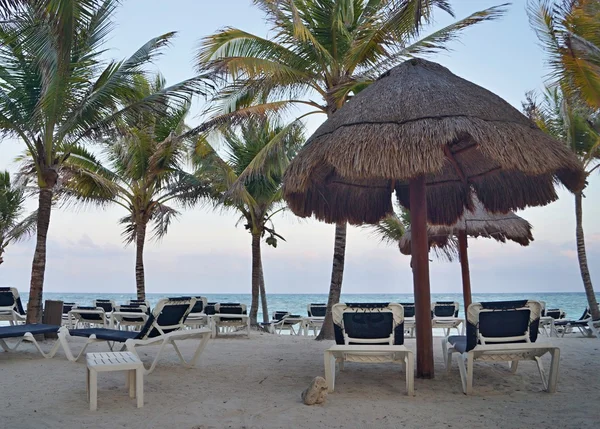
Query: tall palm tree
{"points": [[578, 127], [57, 93], [570, 34], [248, 180], [13, 225], [141, 169], [321, 53]]}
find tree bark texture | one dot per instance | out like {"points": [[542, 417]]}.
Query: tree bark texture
{"points": [[337, 275], [140, 240], [581, 255], [256, 275], [263, 296], [38, 267]]}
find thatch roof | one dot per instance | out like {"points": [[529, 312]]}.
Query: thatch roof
{"points": [[417, 119], [477, 223]]}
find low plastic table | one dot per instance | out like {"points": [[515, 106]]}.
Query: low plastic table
{"points": [[115, 361]]}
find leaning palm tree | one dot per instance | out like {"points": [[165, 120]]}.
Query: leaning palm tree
{"points": [[578, 126], [249, 182], [14, 226], [143, 173], [570, 34], [321, 53], [58, 93]]}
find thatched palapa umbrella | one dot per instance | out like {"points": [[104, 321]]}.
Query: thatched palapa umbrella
{"points": [[476, 223], [434, 138]]}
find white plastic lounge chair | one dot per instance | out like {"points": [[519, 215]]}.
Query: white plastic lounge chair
{"points": [[409, 318], [25, 334], [368, 333], [315, 319], [129, 316], [586, 326], [164, 326], [548, 320], [501, 331], [285, 321], [108, 305], [445, 316], [143, 302], [198, 318], [67, 306], [11, 308], [86, 316], [230, 317]]}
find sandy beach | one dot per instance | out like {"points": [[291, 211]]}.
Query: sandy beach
{"points": [[256, 383]]}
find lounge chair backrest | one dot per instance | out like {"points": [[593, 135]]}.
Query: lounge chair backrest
{"points": [[9, 297], [555, 313], [586, 314], [368, 323], [132, 309], [89, 314], [168, 315], [200, 304], [316, 310], [445, 309], [210, 308], [279, 315], [68, 306], [138, 302], [543, 311], [502, 322], [409, 309], [107, 304], [231, 308]]}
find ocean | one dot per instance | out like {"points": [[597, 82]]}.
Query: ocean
{"points": [[573, 302]]}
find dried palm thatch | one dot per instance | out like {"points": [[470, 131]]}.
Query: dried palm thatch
{"points": [[420, 119], [476, 223]]}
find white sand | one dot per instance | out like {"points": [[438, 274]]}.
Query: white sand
{"points": [[256, 383]]}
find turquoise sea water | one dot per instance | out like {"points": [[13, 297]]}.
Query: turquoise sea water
{"points": [[572, 303]]}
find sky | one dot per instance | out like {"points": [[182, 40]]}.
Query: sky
{"points": [[205, 252]]}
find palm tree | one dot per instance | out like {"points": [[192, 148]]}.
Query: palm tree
{"points": [[570, 33], [326, 49], [57, 93], [143, 172], [13, 226], [578, 127], [249, 181]]}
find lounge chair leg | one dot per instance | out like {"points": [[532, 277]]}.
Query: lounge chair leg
{"points": [[463, 371], [131, 382], [445, 353], [513, 366], [410, 374], [553, 377], [93, 390], [139, 387], [329, 370], [470, 374]]}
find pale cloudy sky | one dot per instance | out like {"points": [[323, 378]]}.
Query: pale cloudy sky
{"points": [[206, 253]]}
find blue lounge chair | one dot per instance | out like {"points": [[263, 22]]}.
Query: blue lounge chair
{"points": [[165, 325], [585, 324], [11, 308], [501, 331], [25, 333], [368, 333]]}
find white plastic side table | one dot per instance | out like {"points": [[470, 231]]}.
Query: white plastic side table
{"points": [[115, 361]]}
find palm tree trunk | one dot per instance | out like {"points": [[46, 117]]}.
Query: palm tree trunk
{"points": [[337, 275], [581, 254], [256, 274], [263, 296], [38, 267], [140, 239]]}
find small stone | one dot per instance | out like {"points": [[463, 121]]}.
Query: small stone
{"points": [[316, 392]]}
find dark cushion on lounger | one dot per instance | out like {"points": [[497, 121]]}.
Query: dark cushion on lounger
{"points": [[571, 323], [105, 334], [459, 342], [21, 330], [317, 310]]}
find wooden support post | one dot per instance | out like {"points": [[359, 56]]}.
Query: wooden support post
{"points": [[464, 266], [420, 267], [52, 315]]}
